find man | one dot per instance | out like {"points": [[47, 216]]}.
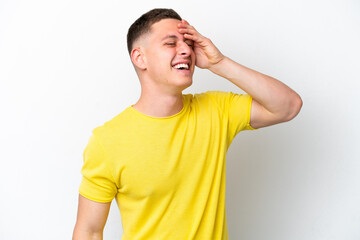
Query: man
{"points": [[163, 158]]}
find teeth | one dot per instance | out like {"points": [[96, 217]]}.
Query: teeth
{"points": [[182, 65]]}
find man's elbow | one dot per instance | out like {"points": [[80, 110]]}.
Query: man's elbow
{"points": [[86, 234], [294, 107]]}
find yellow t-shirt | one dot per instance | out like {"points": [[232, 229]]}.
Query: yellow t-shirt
{"points": [[167, 174]]}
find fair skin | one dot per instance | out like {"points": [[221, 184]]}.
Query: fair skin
{"points": [[91, 219], [170, 42]]}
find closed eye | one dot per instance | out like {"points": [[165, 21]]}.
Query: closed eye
{"points": [[190, 44]]}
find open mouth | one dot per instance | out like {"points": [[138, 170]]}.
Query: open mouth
{"points": [[182, 66]]}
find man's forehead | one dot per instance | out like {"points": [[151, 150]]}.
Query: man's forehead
{"points": [[166, 22], [165, 27]]}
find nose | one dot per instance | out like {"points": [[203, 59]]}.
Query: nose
{"points": [[184, 49]]}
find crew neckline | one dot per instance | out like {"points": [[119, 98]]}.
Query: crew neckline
{"points": [[162, 118]]}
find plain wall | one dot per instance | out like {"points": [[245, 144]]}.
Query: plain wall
{"points": [[64, 70]]}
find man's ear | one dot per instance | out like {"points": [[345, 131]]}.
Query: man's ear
{"points": [[138, 58]]}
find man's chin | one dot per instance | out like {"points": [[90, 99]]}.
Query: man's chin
{"points": [[183, 85]]}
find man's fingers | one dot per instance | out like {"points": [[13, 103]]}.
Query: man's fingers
{"points": [[184, 21], [187, 30], [187, 27], [190, 32], [185, 24], [189, 36]]}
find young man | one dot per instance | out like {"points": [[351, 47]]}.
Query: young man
{"points": [[163, 158]]}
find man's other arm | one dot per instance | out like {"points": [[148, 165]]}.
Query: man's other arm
{"points": [[273, 101], [91, 219]]}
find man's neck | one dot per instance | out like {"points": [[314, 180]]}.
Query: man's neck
{"points": [[157, 105]]}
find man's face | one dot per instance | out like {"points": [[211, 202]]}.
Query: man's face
{"points": [[170, 59]]}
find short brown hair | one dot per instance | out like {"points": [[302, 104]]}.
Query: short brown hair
{"points": [[143, 24]]}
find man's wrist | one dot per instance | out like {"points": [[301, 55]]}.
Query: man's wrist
{"points": [[219, 68]]}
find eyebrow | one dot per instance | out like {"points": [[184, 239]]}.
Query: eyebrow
{"points": [[169, 36], [174, 37]]}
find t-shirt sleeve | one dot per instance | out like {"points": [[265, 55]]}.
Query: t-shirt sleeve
{"points": [[236, 108], [97, 183], [239, 112]]}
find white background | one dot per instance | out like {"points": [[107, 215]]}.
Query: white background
{"points": [[64, 70]]}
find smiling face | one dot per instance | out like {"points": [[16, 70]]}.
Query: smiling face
{"points": [[168, 57]]}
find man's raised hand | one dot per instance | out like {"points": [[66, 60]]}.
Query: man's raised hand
{"points": [[207, 55]]}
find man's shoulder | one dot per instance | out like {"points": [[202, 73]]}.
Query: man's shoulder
{"points": [[121, 120], [223, 99], [207, 94], [213, 95]]}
